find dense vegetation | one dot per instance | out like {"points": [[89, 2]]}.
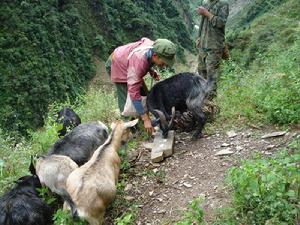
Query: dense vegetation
{"points": [[47, 48], [249, 12], [266, 191], [262, 78], [46, 56]]}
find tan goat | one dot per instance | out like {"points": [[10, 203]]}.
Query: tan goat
{"points": [[93, 185]]}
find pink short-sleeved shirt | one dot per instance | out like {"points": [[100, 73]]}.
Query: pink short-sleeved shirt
{"points": [[130, 65]]}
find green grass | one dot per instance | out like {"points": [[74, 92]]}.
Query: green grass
{"points": [[265, 190], [15, 154], [260, 83], [194, 214]]}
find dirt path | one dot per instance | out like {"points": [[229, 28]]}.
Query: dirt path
{"points": [[164, 190]]}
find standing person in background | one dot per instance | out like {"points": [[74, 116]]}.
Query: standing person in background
{"points": [[128, 64], [211, 40]]}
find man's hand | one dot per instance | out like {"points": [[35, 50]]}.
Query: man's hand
{"points": [[204, 12], [154, 74], [147, 123]]}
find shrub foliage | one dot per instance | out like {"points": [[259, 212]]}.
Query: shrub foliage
{"points": [[44, 58], [266, 191], [46, 48]]}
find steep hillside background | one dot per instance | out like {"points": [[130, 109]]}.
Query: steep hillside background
{"points": [[46, 47]]}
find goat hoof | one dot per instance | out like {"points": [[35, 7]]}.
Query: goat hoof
{"points": [[197, 136]]}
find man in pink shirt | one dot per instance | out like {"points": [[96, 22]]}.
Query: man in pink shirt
{"points": [[128, 64]]}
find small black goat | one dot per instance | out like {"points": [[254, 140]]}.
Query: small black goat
{"points": [[23, 206], [69, 119], [81, 142], [184, 91]]}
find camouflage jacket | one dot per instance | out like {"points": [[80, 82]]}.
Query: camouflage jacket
{"points": [[212, 32]]}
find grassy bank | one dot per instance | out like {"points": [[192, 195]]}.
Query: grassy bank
{"points": [[260, 83], [15, 157]]}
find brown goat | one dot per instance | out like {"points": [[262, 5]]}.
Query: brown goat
{"points": [[93, 185]]}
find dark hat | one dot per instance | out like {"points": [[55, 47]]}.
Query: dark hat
{"points": [[166, 50]]}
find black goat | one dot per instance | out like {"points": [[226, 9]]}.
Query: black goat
{"points": [[23, 206], [69, 119], [184, 91], [81, 142]]}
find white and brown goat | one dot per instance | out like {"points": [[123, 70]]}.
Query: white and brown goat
{"points": [[93, 185], [53, 171]]}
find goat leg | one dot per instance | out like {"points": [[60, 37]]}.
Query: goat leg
{"points": [[67, 198], [201, 122]]}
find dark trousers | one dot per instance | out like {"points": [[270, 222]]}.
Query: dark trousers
{"points": [[208, 67]]}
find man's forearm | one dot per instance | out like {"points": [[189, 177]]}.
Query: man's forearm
{"points": [[138, 106]]}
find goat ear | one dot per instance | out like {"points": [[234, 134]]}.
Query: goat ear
{"points": [[31, 166], [131, 123], [103, 125], [20, 180]]}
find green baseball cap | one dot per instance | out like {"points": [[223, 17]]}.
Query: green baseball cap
{"points": [[166, 50]]}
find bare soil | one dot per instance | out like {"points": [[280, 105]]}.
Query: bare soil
{"points": [[163, 191]]}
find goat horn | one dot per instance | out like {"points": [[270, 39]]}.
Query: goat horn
{"points": [[161, 116], [172, 117]]}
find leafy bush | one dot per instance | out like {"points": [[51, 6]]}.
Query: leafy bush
{"points": [[44, 58], [46, 48], [266, 191]]}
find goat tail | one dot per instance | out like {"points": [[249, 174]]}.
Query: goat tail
{"points": [[67, 198]]}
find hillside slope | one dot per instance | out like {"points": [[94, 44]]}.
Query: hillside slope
{"points": [[46, 48], [262, 78]]}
